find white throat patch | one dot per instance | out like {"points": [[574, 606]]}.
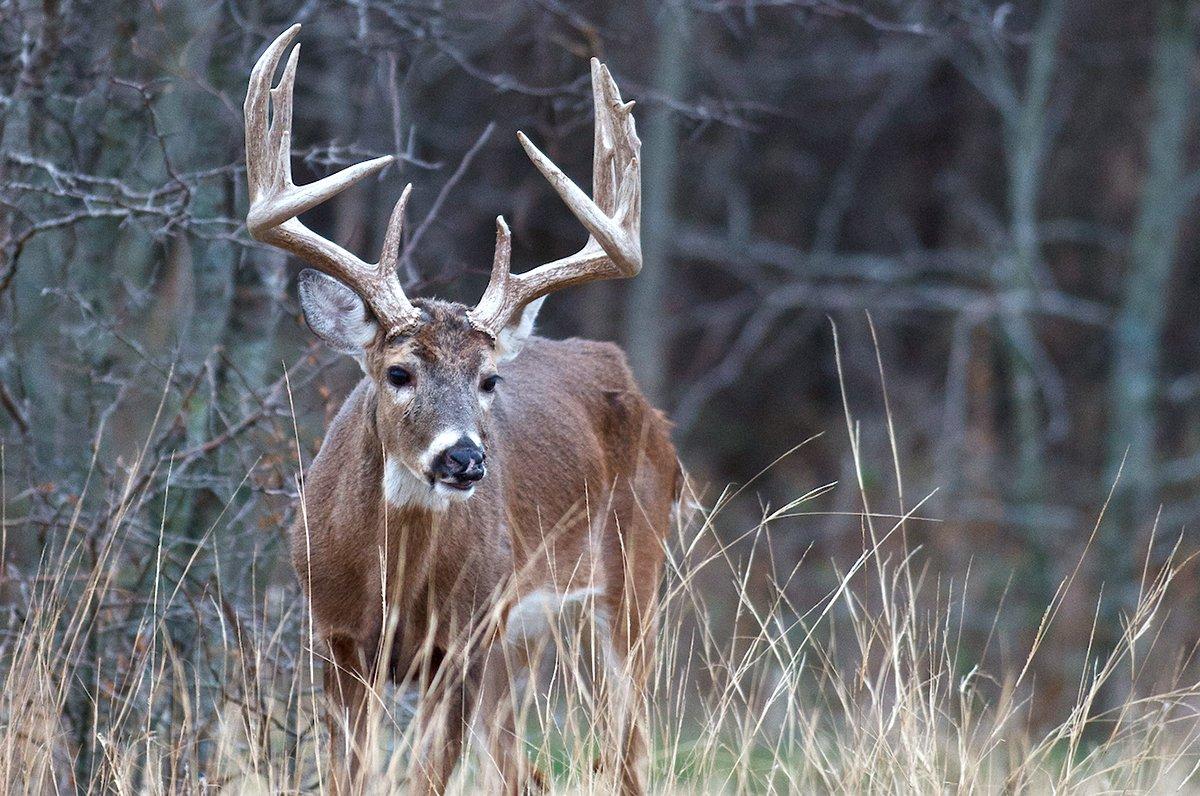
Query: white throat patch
{"points": [[402, 487]]}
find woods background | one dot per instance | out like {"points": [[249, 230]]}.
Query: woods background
{"points": [[995, 202]]}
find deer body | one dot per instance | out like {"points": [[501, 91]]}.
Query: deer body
{"points": [[570, 428], [478, 478], [581, 484]]}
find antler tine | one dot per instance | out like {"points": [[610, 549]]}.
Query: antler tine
{"points": [[613, 129], [612, 215], [255, 109], [390, 256], [275, 201], [603, 177], [281, 121], [595, 220], [498, 295]]}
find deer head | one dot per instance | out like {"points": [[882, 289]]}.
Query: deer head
{"points": [[436, 366]]}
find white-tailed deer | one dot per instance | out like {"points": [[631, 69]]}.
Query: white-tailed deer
{"points": [[477, 473]]}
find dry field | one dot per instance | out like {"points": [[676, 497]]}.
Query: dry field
{"points": [[870, 688]]}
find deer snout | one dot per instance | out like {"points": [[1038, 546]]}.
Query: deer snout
{"points": [[461, 463]]}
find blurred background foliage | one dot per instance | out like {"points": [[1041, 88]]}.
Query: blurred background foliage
{"points": [[991, 203]]}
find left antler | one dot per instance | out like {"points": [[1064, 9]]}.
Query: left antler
{"points": [[276, 201], [613, 217]]}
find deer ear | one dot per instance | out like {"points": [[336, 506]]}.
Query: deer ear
{"points": [[512, 337], [336, 313]]}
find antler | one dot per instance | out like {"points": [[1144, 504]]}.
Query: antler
{"points": [[275, 200], [613, 217]]}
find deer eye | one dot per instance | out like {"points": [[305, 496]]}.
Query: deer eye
{"points": [[489, 384], [398, 376]]}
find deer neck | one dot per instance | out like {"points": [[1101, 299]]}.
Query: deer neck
{"points": [[415, 527]]}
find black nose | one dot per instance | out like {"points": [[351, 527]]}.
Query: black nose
{"points": [[462, 461]]}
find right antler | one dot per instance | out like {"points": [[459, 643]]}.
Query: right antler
{"points": [[613, 217], [275, 200]]}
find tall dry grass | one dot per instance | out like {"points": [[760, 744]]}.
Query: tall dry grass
{"points": [[873, 687]]}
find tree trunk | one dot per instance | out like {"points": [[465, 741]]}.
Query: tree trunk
{"points": [[646, 334], [1026, 142], [1136, 353]]}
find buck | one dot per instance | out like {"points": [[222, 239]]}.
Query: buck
{"points": [[478, 475]]}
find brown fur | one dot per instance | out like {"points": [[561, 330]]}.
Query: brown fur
{"points": [[581, 481]]}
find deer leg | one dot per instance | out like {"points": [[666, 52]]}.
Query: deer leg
{"points": [[625, 631], [346, 714], [505, 674], [628, 655], [446, 705]]}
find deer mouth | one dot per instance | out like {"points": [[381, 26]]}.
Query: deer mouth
{"points": [[458, 482], [456, 485], [453, 489]]}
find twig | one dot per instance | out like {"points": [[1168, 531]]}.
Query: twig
{"points": [[10, 405], [406, 260]]}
